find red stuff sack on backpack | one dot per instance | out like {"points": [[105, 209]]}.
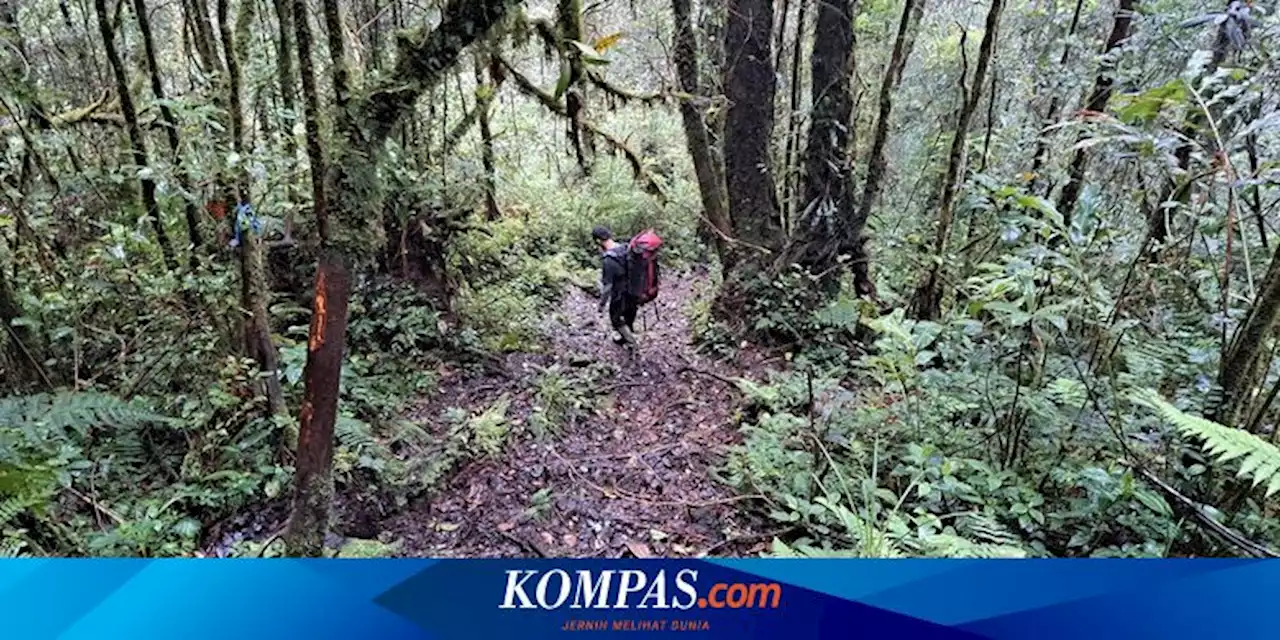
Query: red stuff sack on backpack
{"points": [[642, 265]]}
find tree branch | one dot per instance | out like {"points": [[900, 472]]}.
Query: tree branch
{"points": [[88, 113], [646, 180], [423, 59]]}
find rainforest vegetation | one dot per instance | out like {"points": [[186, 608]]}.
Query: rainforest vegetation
{"points": [[964, 278]]}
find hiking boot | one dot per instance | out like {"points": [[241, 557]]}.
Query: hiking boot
{"points": [[626, 336]]}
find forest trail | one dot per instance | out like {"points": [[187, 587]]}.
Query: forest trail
{"points": [[631, 476]]}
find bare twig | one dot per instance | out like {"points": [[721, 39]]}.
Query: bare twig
{"points": [[100, 508], [751, 537], [270, 541], [1201, 516], [691, 369]]}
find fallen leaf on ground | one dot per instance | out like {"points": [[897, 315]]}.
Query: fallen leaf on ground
{"points": [[639, 549]]}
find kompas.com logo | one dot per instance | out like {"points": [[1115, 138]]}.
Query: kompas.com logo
{"points": [[631, 588]]}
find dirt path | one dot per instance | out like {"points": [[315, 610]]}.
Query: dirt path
{"points": [[632, 476]]}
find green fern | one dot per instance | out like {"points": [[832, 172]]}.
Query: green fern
{"points": [[75, 411], [11, 508], [946, 545], [1259, 459], [13, 548], [353, 434]]}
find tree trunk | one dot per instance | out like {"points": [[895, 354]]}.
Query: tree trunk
{"points": [[313, 479], [25, 348], [791, 174], [254, 292], [750, 86], [338, 58], [709, 172], [137, 139], [1098, 98], [1243, 364], [202, 35], [485, 91], [927, 302], [311, 118], [284, 75], [779, 41], [569, 24], [908, 24], [827, 228], [1180, 190], [1255, 201], [423, 59], [1051, 114], [170, 125], [313, 484]]}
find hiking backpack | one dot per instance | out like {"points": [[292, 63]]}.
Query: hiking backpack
{"points": [[642, 266]]}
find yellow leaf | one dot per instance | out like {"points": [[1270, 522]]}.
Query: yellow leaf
{"points": [[605, 43]]}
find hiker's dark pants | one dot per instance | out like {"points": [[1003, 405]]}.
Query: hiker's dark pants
{"points": [[622, 312]]}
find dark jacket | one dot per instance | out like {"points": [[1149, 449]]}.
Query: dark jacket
{"points": [[613, 275]]}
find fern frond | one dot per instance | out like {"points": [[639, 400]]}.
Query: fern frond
{"points": [[11, 508], [945, 545], [76, 411], [353, 434], [12, 548], [1259, 459], [985, 529]]}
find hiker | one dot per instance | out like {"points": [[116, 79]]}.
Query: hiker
{"points": [[614, 290], [628, 278]]}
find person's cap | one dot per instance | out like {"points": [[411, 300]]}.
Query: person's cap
{"points": [[601, 233]]}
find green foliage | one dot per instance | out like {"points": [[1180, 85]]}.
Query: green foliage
{"points": [[562, 399], [514, 274], [1258, 459], [357, 548], [394, 319]]}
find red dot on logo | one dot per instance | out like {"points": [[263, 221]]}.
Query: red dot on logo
{"points": [[702, 603]]}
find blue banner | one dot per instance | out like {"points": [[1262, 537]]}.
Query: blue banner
{"points": [[793, 599]]}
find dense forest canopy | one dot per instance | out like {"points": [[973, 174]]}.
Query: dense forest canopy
{"points": [[939, 278]]}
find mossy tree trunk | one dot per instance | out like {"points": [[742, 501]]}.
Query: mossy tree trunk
{"points": [[826, 228], [486, 90], [750, 86], [202, 35], [1245, 361], [791, 174], [927, 301], [254, 292], [706, 165], [903, 42], [1098, 98], [288, 95], [137, 139], [170, 125], [569, 26], [348, 215]]}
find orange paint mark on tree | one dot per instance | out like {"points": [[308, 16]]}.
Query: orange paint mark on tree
{"points": [[216, 208], [321, 314], [305, 416]]}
